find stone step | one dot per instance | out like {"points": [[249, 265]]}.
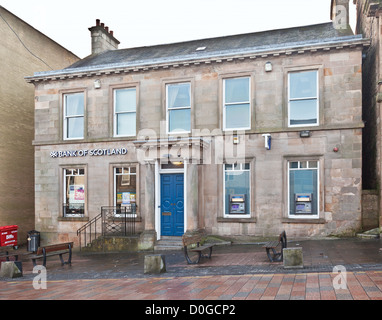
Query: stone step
{"points": [[169, 243]]}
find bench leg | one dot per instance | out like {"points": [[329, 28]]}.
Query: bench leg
{"points": [[269, 255], [276, 257], [189, 261], [62, 260], [209, 254]]}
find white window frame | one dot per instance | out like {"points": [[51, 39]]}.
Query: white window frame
{"points": [[66, 118], [115, 174], [168, 110], [317, 98], [240, 169], [115, 113], [65, 175], [237, 103], [301, 216]]}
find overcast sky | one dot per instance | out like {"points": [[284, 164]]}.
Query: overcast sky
{"points": [[149, 22]]}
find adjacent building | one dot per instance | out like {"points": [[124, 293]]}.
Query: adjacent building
{"points": [[369, 24], [23, 50], [237, 136]]}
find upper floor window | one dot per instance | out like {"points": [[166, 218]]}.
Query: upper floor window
{"points": [[178, 106], [303, 99], [237, 106], [74, 111], [125, 111]]}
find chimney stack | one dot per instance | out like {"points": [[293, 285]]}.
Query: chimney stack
{"points": [[102, 39]]}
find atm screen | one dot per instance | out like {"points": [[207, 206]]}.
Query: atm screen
{"points": [[235, 207], [300, 207]]}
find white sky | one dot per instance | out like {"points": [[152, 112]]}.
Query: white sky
{"points": [[149, 22]]}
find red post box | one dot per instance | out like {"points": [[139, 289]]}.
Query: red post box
{"points": [[8, 236]]}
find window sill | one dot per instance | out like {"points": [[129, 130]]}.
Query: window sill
{"points": [[237, 220], [303, 221], [73, 219]]}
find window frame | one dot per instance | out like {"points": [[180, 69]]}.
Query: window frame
{"points": [[168, 110], [64, 189], [317, 98], [66, 118], [113, 184], [319, 186], [115, 114], [240, 216], [237, 103]]}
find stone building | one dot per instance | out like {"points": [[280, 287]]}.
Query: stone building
{"points": [[369, 24], [23, 50], [237, 136]]}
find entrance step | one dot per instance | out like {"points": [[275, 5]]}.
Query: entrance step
{"points": [[370, 234], [169, 243]]}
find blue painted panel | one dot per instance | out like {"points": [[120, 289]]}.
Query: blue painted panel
{"points": [[172, 204]]}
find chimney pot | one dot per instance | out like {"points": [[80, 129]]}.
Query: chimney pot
{"points": [[107, 29], [98, 21], [102, 25], [112, 33]]}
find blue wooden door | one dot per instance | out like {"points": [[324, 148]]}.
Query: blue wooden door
{"points": [[172, 204]]}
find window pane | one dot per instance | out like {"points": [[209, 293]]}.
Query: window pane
{"points": [[293, 165], [179, 95], [180, 120], [303, 182], [303, 112], [125, 189], [126, 123], [237, 183], [313, 164], [236, 90], [74, 104], [125, 100], [237, 116], [75, 128], [303, 84], [75, 194]]}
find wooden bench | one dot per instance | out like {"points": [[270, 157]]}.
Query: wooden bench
{"points": [[194, 243], [54, 250], [6, 254], [272, 245]]}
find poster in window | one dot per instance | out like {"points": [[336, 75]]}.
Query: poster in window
{"points": [[76, 194], [125, 198]]}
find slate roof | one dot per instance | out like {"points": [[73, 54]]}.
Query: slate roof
{"points": [[215, 46], [242, 44]]}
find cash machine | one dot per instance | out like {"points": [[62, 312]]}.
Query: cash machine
{"points": [[237, 204], [303, 203]]}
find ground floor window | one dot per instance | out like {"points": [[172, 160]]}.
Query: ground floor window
{"points": [[303, 188], [237, 188], [74, 192], [125, 188]]}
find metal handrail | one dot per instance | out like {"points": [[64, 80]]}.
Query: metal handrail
{"points": [[85, 227], [114, 221]]}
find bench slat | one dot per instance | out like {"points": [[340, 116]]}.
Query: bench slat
{"points": [[201, 248]]}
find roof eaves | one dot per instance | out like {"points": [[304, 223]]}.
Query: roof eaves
{"points": [[203, 57]]}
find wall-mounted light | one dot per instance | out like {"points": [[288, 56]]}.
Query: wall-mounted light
{"points": [[268, 66], [305, 134], [236, 140], [97, 84]]}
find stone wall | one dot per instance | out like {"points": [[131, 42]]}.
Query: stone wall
{"points": [[336, 143], [17, 115]]}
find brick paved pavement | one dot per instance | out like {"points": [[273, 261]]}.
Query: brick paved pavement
{"points": [[234, 273]]}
